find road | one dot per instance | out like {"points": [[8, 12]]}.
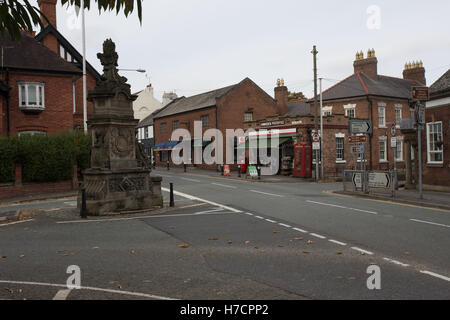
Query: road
{"points": [[230, 239]]}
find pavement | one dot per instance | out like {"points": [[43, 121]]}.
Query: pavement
{"points": [[230, 240]]}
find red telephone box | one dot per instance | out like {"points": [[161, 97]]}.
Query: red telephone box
{"points": [[303, 160]]}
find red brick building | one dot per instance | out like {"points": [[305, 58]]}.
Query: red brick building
{"points": [[363, 95], [436, 141], [47, 69], [39, 97], [226, 108], [55, 41]]}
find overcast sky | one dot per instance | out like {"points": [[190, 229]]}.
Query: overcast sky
{"points": [[193, 46]]}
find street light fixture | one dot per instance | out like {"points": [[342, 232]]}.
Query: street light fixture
{"points": [[137, 70]]}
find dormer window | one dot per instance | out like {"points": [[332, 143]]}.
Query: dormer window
{"points": [[31, 96]]}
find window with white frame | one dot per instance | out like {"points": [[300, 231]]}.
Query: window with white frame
{"points": [[399, 149], [327, 111], [382, 115], [205, 121], [32, 133], [382, 145], [248, 116], [435, 145], [31, 95], [398, 115], [350, 110], [339, 148]]}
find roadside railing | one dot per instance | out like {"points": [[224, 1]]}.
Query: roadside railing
{"points": [[369, 182]]}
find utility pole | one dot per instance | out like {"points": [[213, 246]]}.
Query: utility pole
{"points": [[315, 52]]}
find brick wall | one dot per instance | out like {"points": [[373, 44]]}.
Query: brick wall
{"points": [[438, 175], [58, 114]]}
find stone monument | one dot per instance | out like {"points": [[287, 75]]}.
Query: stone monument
{"points": [[118, 179]]}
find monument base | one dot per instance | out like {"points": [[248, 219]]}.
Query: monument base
{"points": [[111, 192]]}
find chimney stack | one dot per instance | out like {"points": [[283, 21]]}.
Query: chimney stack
{"points": [[415, 71], [48, 8], [368, 66], [281, 96]]}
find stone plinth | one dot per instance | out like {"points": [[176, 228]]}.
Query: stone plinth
{"points": [[116, 181]]}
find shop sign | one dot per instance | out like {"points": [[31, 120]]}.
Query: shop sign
{"points": [[253, 171], [272, 123]]}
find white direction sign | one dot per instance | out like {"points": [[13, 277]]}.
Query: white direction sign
{"points": [[316, 145], [356, 179], [379, 180], [360, 126]]}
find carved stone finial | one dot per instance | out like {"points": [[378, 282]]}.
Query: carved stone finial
{"points": [[110, 81]]}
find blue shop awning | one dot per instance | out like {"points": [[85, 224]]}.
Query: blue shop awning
{"points": [[165, 146]]}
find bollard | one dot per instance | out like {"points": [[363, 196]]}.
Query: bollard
{"points": [[259, 172], [172, 202], [168, 166], [222, 171], [83, 212], [239, 171], [184, 165]]}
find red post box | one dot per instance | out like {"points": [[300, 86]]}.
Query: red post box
{"points": [[303, 160]]}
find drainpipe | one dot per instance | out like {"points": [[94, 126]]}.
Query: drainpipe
{"points": [[370, 135]]}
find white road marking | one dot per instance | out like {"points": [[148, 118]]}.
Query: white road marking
{"points": [[267, 194], [317, 235], [181, 194], [248, 213], [209, 212], [53, 209], [271, 221], [192, 180], [62, 294], [224, 185], [128, 293], [258, 217], [15, 222], [362, 250], [70, 203], [432, 223], [435, 275], [285, 225], [342, 207], [337, 242], [301, 230], [396, 262], [193, 205]]}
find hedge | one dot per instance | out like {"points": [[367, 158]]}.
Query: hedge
{"points": [[44, 158]]}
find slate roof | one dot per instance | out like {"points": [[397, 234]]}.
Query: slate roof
{"points": [[298, 108], [441, 86], [199, 101], [49, 29], [359, 84], [31, 55]]}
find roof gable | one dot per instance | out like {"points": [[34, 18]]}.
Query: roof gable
{"points": [[49, 29], [199, 101], [441, 85], [29, 54]]}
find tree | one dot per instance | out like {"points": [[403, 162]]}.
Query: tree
{"points": [[18, 15], [293, 96]]}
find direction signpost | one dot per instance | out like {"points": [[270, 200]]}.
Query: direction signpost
{"points": [[420, 95], [360, 126]]}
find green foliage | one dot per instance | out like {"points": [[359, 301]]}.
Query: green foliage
{"points": [[44, 158], [21, 15], [8, 158]]}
